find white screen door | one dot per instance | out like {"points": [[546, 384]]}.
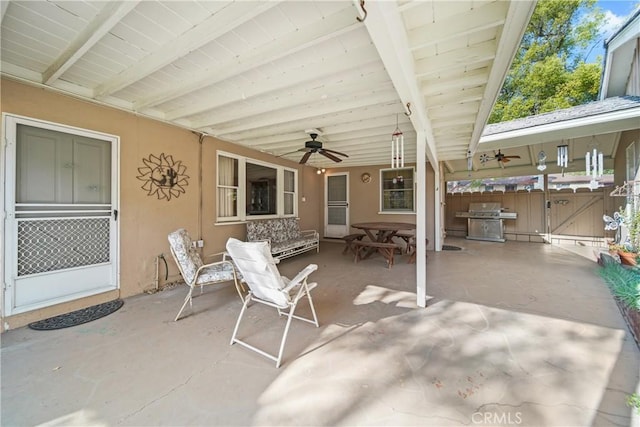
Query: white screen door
{"points": [[337, 205], [61, 218]]}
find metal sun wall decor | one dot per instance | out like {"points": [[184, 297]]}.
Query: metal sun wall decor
{"points": [[163, 176]]}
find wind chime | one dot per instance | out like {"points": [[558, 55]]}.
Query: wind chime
{"points": [[397, 148], [563, 157], [594, 166]]}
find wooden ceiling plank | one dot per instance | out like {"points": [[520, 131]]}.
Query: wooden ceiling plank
{"points": [[214, 26], [480, 52], [436, 86], [459, 25], [456, 97], [341, 69], [329, 27], [290, 103], [296, 113]]}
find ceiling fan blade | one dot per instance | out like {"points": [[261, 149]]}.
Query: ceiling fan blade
{"points": [[286, 154], [335, 152], [504, 159], [511, 157], [305, 157], [330, 156]]}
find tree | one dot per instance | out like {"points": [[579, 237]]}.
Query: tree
{"points": [[548, 72]]}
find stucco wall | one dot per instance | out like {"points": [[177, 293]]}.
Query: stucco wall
{"points": [[364, 199], [145, 221]]}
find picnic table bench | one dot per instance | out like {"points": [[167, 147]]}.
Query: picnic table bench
{"points": [[387, 250]]}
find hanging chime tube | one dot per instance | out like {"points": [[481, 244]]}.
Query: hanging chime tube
{"points": [[393, 150], [600, 164], [401, 150], [587, 160]]}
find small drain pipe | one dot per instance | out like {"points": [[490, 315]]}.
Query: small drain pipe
{"points": [[156, 280]]}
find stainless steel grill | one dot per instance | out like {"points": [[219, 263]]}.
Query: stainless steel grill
{"points": [[485, 221]]}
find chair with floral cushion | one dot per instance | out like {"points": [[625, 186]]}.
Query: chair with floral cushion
{"points": [[267, 286], [195, 272]]}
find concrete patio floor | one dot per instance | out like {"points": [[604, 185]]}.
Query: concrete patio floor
{"points": [[514, 334]]}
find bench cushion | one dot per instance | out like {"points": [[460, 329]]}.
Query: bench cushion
{"points": [[284, 236], [276, 230]]}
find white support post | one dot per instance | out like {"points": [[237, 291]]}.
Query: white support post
{"points": [[421, 219]]}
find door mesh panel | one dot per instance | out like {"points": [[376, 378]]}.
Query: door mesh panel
{"points": [[56, 244]]}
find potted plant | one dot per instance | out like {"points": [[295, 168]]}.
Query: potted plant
{"points": [[626, 223]]}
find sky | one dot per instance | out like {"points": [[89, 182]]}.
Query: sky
{"points": [[616, 12]]}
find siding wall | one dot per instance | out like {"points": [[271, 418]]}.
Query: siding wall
{"points": [[574, 216]]}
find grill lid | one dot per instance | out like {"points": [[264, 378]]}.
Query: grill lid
{"points": [[495, 207]]}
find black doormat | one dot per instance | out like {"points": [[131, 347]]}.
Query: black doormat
{"points": [[451, 248], [77, 317]]}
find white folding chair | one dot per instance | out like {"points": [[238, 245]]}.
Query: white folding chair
{"points": [[267, 286], [194, 271]]}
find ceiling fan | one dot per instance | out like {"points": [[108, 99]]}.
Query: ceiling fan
{"points": [[497, 156], [314, 146]]}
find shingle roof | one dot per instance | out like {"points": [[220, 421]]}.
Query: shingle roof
{"points": [[608, 105]]}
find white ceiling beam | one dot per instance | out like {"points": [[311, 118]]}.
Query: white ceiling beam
{"points": [[360, 137], [104, 21], [463, 57], [533, 157], [387, 31], [283, 111], [304, 38], [221, 22], [339, 122], [459, 25], [341, 69], [3, 9], [298, 113], [518, 16]]}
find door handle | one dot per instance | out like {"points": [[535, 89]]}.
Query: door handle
{"points": [[115, 214]]}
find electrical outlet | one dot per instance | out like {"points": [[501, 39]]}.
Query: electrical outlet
{"points": [[200, 243]]}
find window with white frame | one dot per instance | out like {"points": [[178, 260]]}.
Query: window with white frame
{"points": [[249, 188], [397, 190]]}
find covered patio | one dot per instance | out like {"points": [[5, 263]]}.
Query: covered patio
{"points": [[515, 333]]}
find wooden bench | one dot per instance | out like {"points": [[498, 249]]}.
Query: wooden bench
{"points": [[386, 249], [412, 245], [348, 239], [407, 237]]}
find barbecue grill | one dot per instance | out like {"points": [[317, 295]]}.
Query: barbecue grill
{"points": [[485, 221]]}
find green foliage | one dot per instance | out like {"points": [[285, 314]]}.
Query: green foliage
{"points": [[548, 73], [623, 282], [633, 401]]}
